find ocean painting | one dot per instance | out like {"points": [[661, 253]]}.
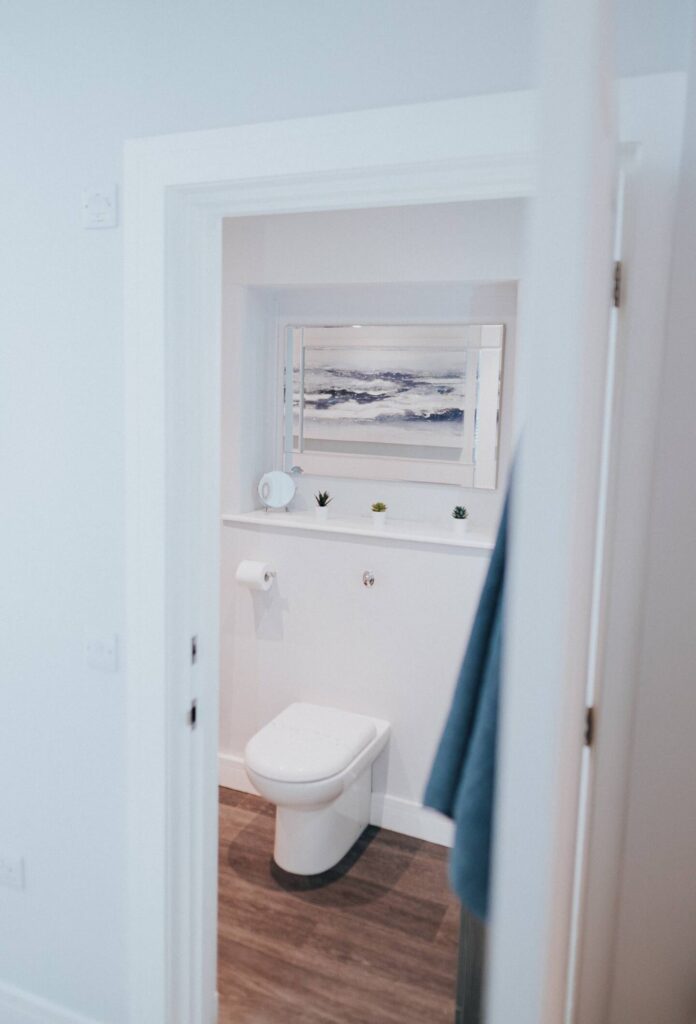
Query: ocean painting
{"points": [[383, 395]]}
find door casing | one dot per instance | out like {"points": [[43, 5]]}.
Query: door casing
{"points": [[177, 191]]}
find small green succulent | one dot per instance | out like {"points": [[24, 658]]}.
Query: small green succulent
{"points": [[459, 512], [322, 498], [379, 506]]}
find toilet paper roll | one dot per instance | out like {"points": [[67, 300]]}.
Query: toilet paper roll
{"points": [[255, 575]]}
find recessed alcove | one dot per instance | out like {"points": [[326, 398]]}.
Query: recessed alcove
{"points": [[454, 263]]}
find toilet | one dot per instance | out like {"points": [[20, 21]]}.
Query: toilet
{"points": [[315, 764]]}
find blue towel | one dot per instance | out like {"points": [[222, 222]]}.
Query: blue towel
{"points": [[462, 779]]}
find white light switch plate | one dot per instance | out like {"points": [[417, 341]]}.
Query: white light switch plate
{"points": [[101, 652], [99, 207]]}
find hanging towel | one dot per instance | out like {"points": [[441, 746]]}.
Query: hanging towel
{"points": [[462, 779]]}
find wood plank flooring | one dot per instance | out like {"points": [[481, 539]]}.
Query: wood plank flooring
{"points": [[373, 941]]}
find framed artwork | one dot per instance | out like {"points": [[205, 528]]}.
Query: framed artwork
{"points": [[408, 402]]}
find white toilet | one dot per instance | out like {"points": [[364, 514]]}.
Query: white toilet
{"points": [[315, 764]]}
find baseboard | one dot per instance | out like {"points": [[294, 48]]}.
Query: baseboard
{"points": [[231, 774], [411, 819], [391, 812], [19, 1007]]}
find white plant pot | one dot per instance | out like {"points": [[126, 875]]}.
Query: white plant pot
{"points": [[460, 527], [322, 513], [379, 520]]}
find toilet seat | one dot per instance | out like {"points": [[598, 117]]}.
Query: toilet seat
{"points": [[308, 743]]}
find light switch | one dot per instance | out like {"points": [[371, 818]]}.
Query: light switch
{"points": [[101, 653], [99, 207]]}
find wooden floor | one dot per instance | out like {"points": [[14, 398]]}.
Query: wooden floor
{"points": [[373, 941]]}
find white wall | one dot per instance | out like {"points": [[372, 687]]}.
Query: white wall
{"points": [[480, 241], [248, 388], [656, 940], [320, 635], [76, 79]]}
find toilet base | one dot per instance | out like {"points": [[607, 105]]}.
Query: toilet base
{"points": [[309, 840]]}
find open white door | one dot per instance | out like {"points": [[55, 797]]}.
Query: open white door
{"points": [[562, 374]]}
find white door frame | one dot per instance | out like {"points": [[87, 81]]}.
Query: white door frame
{"points": [[652, 111], [177, 190]]}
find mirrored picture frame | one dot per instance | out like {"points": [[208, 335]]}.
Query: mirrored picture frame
{"points": [[394, 402]]}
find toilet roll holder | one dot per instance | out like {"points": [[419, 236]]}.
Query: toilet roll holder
{"points": [[255, 575]]}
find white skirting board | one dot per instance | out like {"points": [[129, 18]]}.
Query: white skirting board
{"points": [[231, 774], [391, 812], [19, 1007], [411, 819]]}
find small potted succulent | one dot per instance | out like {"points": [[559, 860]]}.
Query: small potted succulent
{"points": [[323, 499], [460, 518], [379, 515]]}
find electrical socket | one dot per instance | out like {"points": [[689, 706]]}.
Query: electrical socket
{"points": [[101, 652], [11, 871], [99, 209]]}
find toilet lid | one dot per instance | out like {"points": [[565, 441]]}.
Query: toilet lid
{"points": [[306, 743]]}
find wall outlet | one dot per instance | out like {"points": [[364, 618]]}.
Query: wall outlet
{"points": [[11, 871], [101, 653], [99, 208]]}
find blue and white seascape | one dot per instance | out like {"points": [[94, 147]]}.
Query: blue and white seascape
{"points": [[384, 395]]}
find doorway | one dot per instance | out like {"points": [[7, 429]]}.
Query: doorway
{"points": [[175, 567], [381, 925], [479, 148]]}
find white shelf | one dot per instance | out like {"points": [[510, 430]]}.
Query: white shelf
{"points": [[357, 526]]}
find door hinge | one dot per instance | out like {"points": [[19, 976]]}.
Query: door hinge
{"points": [[589, 725], [618, 280], [194, 650], [193, 714]]}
